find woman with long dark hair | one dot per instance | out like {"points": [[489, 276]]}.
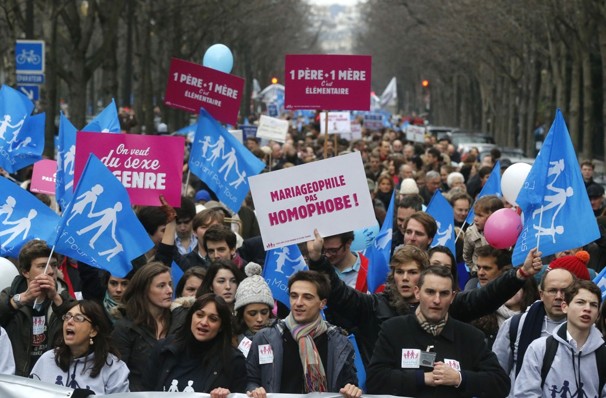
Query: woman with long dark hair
{"points": [[222, 278], [146, 318], [200, 357], [85, 356]]}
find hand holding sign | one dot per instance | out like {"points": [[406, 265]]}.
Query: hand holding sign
{"points": [[171, 213]]}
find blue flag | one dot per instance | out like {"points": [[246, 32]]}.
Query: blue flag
{"points": [[492, 187], [21, 135], [557, 211], [66, 162], [442, 212], [176, 273], [378, 252], [99, 227], [600, 280], [360, 369], [106, 121], [222, 162], [280, 264], [23, 217]]}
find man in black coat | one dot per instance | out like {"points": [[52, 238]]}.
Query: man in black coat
{"points": [[429, 353]]}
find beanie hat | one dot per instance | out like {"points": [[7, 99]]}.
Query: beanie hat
{"points": [[202, 195], [409, 186], [253, 289], [576, 264]]}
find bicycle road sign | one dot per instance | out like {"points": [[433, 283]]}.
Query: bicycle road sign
{"points": [[29, 56]]}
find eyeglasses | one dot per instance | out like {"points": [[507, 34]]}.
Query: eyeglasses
{"points": [[77, 318], [554, 292], [332, 251]]}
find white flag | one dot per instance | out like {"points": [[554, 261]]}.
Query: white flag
{"points": [[390, 94]]}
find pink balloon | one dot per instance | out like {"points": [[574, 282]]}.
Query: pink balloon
{"points": [[502, 228]]}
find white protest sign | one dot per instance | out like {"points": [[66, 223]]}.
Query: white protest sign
{"points": [[238, 134], [355, 133], [415, 133], [330, 195], [272, 128], [338, 123]]}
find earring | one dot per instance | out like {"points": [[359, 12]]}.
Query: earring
{"points": [[91, 341]]}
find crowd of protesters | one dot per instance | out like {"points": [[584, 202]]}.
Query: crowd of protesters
{"points": [[444, 324]]}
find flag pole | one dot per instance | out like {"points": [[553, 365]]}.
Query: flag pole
{"points": [[540, 224], [36, 304], [461, 230], [184, 188], [325, 134]]}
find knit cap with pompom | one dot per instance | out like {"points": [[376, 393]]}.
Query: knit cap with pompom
{"points": [[576, 264], [253, 289]]}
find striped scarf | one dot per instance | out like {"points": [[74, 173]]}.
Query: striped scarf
{"points": [[315, 377], [432, 328]]}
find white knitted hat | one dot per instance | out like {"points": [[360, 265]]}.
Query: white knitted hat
{"points": [[408, 186], [253, 289]]}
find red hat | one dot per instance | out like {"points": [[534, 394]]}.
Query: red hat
{"points": [[576, 264]]}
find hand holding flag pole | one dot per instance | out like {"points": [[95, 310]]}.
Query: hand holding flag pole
{"points": [[38, 305]]}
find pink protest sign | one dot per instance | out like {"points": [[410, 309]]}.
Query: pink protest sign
{"points": [[43, 176], [191, 87], [329, 82], [148, 166]]}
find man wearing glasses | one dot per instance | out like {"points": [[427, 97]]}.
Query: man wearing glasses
{"points": [[33, 328], [541, 318], [337, 250]]}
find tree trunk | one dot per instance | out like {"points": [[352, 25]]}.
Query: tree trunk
{"points": [[573, 116]]}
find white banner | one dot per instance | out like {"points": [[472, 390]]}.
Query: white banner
{"points": [[338, 123], [272, 128], [330, 195], [415, 133]]}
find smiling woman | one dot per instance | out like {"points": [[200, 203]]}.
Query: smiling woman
{"points": [[85, 357]]}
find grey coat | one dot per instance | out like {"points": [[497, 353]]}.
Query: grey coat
{"points": [[340, 369]]}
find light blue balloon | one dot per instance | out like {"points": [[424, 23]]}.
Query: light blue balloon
{"points": [[218, 57], [363, 237]]}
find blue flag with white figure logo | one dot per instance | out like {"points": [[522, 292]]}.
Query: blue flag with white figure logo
{"points": [[99, 227], [23, 217], [378, 252], [492, 187], [176, 274], [600, 280], [557, 212], [280, 264], [66, 162], [222, 162], [21, 135], [105, 122], [442, 212]]}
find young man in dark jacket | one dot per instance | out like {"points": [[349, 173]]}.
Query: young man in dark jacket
{"points": [[302, 353], [429, 353], [33, 329]]}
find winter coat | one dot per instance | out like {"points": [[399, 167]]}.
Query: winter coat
{"points": [[19, 324], [340, 368], [571, 372], [481, 374], [113, 377], [166, 357]]}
